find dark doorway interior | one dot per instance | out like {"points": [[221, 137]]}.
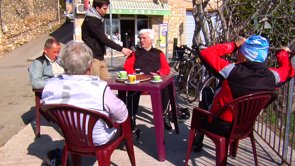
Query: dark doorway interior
{"points": [[127, 32]]}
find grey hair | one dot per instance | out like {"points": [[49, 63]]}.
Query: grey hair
{"points": [[76, 58], [149, 31], [50, 41]]}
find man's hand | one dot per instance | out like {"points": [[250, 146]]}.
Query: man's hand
{"points": [[240, 41], [126, 51], [285, 48]]}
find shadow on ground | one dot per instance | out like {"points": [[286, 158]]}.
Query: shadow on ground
{"points": [[29, 115]]}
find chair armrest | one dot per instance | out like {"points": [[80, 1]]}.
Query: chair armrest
{"points": [[37, 90], [43, 111], [116, 125], [203, 112]]}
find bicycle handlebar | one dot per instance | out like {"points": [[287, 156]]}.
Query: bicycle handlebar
{"points": [[194, 47], [185, 47]]}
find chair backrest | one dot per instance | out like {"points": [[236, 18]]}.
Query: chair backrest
{"points": [[245, 110], [76, 124]]}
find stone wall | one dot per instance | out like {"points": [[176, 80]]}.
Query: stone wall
{"points": [[24, 20]]}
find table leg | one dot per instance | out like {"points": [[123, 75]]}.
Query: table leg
{"points": [[122, 96], [158, 122], [173, 106]]}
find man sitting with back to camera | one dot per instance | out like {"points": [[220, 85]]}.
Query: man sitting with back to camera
{"points": [[78, 88], [250, 74], [45, 66], [149, 60]]}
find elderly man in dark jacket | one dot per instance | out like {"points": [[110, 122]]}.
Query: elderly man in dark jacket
{"points": [[94, 36]]}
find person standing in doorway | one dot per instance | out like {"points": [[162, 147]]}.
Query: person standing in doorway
{"points": [[94, 36]]}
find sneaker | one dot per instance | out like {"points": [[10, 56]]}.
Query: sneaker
{"points": [[137, 133], [133, 125], [53, 158]]}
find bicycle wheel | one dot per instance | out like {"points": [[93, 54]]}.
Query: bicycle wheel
{"points": [[176, 66], [183, 74], [193, 83], [209, 82], [172, 64]]}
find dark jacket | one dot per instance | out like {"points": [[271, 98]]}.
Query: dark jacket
{"points": [[153, 60], [94, 36]]}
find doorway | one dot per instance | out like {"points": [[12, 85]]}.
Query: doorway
{"points": [[127, 33]]}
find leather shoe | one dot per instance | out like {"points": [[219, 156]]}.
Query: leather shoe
{"points": [[183, 114], [198, 143], [167, 126], [133, 125]]}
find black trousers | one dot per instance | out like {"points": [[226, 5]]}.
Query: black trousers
{"points": [[133, 102], [217, 126]]}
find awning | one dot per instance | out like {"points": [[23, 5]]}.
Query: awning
{"points": [[137, 7]]}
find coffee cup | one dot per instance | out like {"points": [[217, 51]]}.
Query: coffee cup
{"points": [[131, 78], [137, 71], [157, 78], [122, 74]]}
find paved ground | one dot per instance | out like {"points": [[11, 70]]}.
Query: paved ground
{"points": [[24, 149]]}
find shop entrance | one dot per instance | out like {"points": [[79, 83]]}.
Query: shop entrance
{"points": [[127, 32]]}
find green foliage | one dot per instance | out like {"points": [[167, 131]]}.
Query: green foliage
{"points": [[273, 19], [272, 117]]}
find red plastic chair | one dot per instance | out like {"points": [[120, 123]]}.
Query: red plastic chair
{"points": [[245, 109], [38, 96], [78, 136]]}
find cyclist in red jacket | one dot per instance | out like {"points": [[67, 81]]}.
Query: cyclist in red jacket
{"points": [[250, 74]]}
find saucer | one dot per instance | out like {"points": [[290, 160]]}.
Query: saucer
{"points": [[135, 82], [139, 73], [156, 81], [121, 79]]}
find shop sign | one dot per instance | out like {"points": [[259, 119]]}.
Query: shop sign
{"points": [[140, 11], [163, 34]]}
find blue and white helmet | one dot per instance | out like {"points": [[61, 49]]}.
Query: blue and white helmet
{"points": [[255, 48]]}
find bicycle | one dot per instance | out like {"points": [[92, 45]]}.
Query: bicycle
{"points": [[179, 55], [199, 77], [182, 62]]}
